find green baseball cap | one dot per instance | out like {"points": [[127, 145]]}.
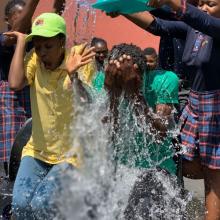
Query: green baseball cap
{"points": [[47, 25]]}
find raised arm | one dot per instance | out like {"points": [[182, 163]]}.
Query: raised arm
{"points": [[16, 77], [23, 23], [201, 21], [59, 6], [157, 26], [193, 16]]}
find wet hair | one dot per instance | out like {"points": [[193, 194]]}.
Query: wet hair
{"points": [[96, 40], [132, 50], [11, 4], [149, 51]]}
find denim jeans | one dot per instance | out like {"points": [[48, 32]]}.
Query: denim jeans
{"points": [[36, 189]]}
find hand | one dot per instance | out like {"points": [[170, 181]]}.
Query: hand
{"points": [[59, 6], [131, 76], [113, 14], [77, 60], [174, 4], [123, 74], [15, 35], [112, 77]]}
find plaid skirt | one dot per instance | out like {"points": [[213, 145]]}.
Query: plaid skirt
{"points": [[14, 110], [200, 128]]}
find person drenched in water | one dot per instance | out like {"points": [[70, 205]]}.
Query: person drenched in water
{"points": [[141, 108]]}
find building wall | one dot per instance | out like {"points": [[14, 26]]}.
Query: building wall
{"points": [[115, 31]]}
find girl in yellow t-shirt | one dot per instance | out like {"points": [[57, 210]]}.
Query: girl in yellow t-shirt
{"points": [[49, 70]]}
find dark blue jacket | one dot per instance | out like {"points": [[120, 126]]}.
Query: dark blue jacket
{"points": [[170, 49], [202, 48]]}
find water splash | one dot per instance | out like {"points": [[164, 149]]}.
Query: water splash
{"points": [[101, 190]]}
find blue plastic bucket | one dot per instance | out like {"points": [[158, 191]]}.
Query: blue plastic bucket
{"points": [[122, 6]]}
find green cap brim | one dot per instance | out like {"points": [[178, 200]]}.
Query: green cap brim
{"points": [[41, 33]]}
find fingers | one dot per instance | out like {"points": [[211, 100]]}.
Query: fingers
{"points": [[111, 62], [117, 63], [135, 66], [14, 33], [9, 33], [121, 60], [72, 52], [155, 3], [89, 56], [88, 51], [124, 57], [83, 48], [85, 62], [113, 14]]}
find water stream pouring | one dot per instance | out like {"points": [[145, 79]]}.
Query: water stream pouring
{"points": [[81, 18]]}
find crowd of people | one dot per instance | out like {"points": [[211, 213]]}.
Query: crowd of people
{"points": [[179, 85]]}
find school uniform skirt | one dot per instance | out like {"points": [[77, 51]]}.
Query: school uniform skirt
{"points": [[200, 128], [14, 111]]}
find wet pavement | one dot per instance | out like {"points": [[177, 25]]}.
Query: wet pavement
{"points": [[195, 208]]}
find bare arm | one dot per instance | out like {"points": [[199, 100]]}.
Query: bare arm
{"points": [[23, 23], [192, 16], [16, 77], [59, 6]]}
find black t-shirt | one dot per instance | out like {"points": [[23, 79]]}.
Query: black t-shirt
{"points": [[6, 54]]}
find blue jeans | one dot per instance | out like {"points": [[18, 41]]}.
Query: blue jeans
{"points": [[36, 188]]}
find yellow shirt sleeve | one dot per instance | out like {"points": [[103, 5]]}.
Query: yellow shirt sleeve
{"points": [[86, 72], [30, 66]]}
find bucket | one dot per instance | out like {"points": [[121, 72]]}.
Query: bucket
{"points": [[122, 6]]}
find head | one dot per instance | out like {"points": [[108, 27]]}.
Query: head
{"points": [[48, 36], [13, 10], [211, 7], [131, 50], [129, 76], [101, 49], [151, 58]]}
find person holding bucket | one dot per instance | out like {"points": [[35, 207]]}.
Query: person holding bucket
{"points": [[200, 131]]}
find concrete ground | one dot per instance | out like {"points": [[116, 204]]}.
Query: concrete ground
{"points": [[195, 208], [5, 190]]}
